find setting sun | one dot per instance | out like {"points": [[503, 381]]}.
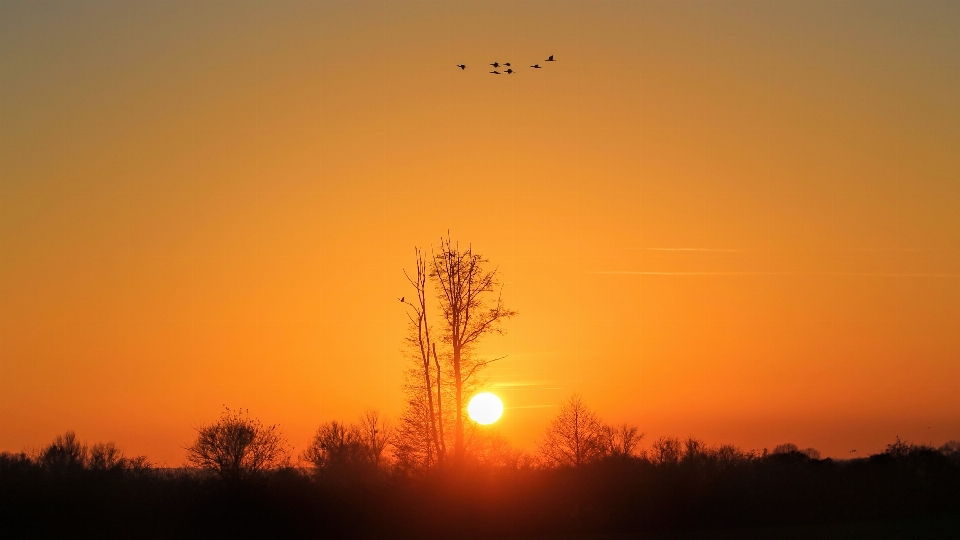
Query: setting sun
{"points": [[485, 408]]}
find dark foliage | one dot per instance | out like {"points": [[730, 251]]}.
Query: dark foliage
{"points": [[64, 491]]}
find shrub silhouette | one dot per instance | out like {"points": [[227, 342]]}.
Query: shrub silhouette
{"points": [[237, 447], [65, 454]]}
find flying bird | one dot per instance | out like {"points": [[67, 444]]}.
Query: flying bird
{"points": [[507, 64], [495, 72], [509, 71], [495, 64], [537, 66], [550, 59], [462, 66]]}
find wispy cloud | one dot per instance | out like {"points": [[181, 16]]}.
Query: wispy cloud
{"points": [[519, 384], [693, 249], [875, 274], [531, 407], [800, 250]]}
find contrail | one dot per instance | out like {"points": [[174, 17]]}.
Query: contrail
{"points": [[518, 384], [692, 249], [531, 407], [865, 274]]}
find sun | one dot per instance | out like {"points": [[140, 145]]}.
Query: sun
{"points": [[485, 408]]}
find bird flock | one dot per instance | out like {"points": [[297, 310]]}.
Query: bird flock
{"points": [[509, 70]]}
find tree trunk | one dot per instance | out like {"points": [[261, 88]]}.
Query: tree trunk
{"points": [[458, 449]]}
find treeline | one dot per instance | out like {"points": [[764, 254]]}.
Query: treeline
{"points": [[585, 477]]}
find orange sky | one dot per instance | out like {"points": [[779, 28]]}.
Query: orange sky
{"points": [[737, 220]]}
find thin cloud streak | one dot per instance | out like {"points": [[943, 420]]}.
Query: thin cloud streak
{"points": [[694, 249], [531, 407], [761, 250], [865, 274], [518, 384]]}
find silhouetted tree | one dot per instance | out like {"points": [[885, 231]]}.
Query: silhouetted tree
{"points": [[666, 451], [376, 432], [237, 447], [106, 457], [621, 440], [472, 306], [64, 454], [414, 445], [790, 448], [575, 437], [488, 448], [425, 388], [349, 448]]}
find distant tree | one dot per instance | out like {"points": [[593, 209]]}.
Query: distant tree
{"points": [[785, 448], [898, 448], [575, 437], [488, 448], [338, 447], [695, 450], [666, 451], [950, 448], [790, 448], [237, 447], [376, 432], [106, 457], [622, 440], [65, 453]]}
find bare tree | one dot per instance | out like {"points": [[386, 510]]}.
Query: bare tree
{"points": [[488, 448], [376, 432], [575, 437], [422, 345], [622, 440], [414, 444], [341, 447], [666, 451], [65, 453], [106, 457], [237, 447], [472, 306]]}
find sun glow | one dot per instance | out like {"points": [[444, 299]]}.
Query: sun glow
{"points": [[485, 408]]}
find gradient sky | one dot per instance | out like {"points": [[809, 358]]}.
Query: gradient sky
{"points": [[734, 220]]}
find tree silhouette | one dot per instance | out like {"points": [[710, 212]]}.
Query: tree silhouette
{"points": [[424, 408], [472, 306], [338, 447], [237, 447], [575, 437], [622, 440], [64, 454]]}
